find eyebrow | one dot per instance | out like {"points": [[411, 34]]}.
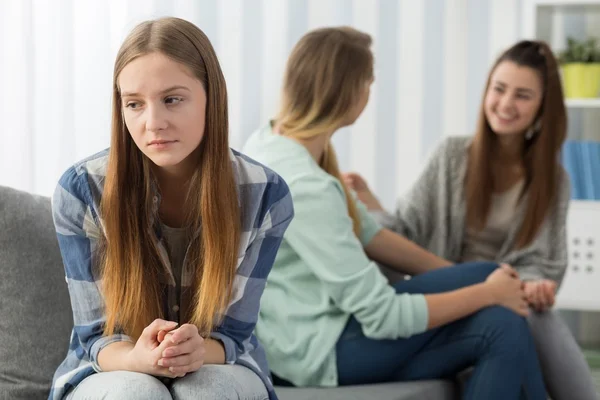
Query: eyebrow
{"points": [[170, 89], [521, 90], [525, 90]]}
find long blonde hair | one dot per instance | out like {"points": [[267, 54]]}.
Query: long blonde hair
{"points": [[130, 264], [324, 78], [540, 154]]}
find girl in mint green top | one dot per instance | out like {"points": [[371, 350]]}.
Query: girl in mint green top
{"points": [[328, 316]]}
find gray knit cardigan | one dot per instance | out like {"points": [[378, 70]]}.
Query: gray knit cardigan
{"points": [[433, 215]]}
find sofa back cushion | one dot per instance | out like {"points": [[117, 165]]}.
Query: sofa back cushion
{"points": [[35, 310]]}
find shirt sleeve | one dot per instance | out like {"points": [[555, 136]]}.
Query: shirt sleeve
{"points": [[236, 329], [78, 235], [322, 235]]}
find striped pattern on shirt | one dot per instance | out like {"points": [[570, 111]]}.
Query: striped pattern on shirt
{"points": [[266, 211]]}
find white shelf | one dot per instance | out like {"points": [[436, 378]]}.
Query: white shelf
{"points": [[583, 103], [585, 206], [593, 205], [534, 9], [567, 3]]}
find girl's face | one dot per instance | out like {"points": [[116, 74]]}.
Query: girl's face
{"points": [[513, 98], [164, 108]]}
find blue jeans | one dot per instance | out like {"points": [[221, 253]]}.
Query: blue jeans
{"points": [[211, 382], [496, 341]]}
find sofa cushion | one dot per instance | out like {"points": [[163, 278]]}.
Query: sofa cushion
{"points": [[35, 310], [421, 390], [35, 313]]}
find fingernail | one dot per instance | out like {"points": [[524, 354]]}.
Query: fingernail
{"points": [[171, 369], [160, 362]]}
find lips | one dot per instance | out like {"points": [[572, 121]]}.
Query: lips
{"points": [[161, 145], [505, 119], [161, 142]]}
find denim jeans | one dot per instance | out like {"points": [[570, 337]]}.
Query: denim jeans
{"points": [[211, 382], [495, 341]]}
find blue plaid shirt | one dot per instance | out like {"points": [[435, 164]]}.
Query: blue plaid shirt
{"points": [[266, 210]]}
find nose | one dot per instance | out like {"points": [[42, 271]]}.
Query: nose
{"points": [[156, 119], [506, 102]]}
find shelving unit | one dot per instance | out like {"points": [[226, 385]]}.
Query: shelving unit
{"points": [[581, 286], [541, 20], [536, 10], [566, 3], [583, 103]]}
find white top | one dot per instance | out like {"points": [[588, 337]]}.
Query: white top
{"points": [[486, 244]]}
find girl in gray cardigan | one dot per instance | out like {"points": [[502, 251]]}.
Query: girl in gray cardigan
{"points": [[503, 196]]}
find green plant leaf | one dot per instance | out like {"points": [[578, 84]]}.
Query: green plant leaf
{"points": [[577, 51]]}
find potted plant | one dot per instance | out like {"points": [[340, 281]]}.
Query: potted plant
{"points": [[580, 63]]}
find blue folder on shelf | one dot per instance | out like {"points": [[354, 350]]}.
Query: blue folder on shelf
{"points": [[581, 159]]}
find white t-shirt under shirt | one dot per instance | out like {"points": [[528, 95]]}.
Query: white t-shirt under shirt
{"points": [[486, 244]]}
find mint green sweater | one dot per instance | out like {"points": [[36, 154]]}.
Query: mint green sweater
{"points": [[322, 274]]}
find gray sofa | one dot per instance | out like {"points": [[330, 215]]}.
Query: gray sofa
{"points": [[35, 314]]}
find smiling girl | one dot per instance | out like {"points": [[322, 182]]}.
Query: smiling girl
{"points": [[167, 237], [503, 196]]}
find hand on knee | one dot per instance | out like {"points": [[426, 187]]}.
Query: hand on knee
{"points": [[507, 290]]}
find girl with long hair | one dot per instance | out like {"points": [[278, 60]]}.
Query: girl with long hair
{"points": [[329, 316], [167, 237]]}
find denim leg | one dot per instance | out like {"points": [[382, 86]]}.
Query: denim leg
{"points": [[436, 281], [481, 340], [119, 385], [364, 360], [497, 342], [447, 279], [220, 382]]}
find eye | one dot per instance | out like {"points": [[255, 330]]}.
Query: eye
{"points": [[498, 89], [133, 105], [524, 96], [172, 100]]}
